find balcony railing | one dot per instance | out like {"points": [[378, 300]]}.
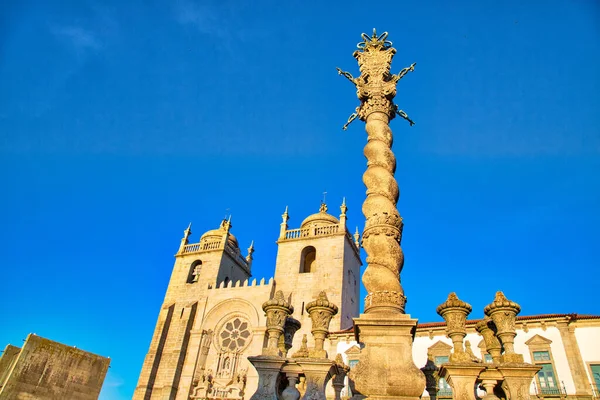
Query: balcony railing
{"points": [[313, 231], [552, 392]]}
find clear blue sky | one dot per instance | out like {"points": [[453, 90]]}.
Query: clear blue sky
{"points": [[120, 122]]}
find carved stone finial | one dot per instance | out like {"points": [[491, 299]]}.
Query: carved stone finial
{"points": [[321, 311], [277, 310], [303, 351], [455, 311], [357, 238], [185, 240], [343, 207], [486, 329], [289, 330], [504, 313], [323, 208]]}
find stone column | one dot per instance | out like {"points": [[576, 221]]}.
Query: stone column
{"points": [[504, 312], [277, 310], [492, 344], [386, 368], [455, 311], [321, 311]]}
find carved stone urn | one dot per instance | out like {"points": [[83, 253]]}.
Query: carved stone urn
{"points": [[455, 311], [486, 329], [321, 311], [503, 313], [277, 310]]}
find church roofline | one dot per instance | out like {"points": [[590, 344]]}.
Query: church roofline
{"points": [[523, 319]]}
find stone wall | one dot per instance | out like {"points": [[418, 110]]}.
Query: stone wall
{"points": [[48, 370]]}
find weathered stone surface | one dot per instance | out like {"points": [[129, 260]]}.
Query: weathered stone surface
{"points": [[386, 368], [48, 370]]}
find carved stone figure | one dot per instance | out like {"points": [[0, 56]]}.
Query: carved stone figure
{"points": [[303, 351]]}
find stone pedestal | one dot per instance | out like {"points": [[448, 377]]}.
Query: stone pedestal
{"points": [[517, 379], [317, 373], [268, 369], [386, 369], [462, 377]]}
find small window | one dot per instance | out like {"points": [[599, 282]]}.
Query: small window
{"points": [[352, 363], [541, 356], [487, 358], [308, 260], [439, 360]]}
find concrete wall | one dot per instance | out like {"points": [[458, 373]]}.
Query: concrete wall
{"points": [[48, 370]]}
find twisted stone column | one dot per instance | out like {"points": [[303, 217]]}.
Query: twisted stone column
{"points": [[386, 369], [376, 88]]}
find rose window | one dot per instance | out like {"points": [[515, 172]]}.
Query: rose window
{"points": [[235, 335]]}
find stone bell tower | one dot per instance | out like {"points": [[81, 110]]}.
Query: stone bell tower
{"points": [[213, 262], [321, 255]]}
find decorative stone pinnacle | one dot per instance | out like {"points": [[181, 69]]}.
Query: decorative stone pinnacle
{"points": [[455, 311], [454, 302], [503, 313], [321, 311], [343, 207], [501, 302], [486, 329], [323, 208], [277, 310], [376, 89]]}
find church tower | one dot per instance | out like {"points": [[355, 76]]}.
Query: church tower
{"points": [[214, 262], [320, 255]]}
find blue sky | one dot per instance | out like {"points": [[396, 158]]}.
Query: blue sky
{"points": [[120, 122]]}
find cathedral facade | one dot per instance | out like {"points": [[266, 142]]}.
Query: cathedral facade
{"points": [[211, 319]]}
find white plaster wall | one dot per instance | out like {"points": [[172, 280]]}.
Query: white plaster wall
{"points": [[588, 339]]}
